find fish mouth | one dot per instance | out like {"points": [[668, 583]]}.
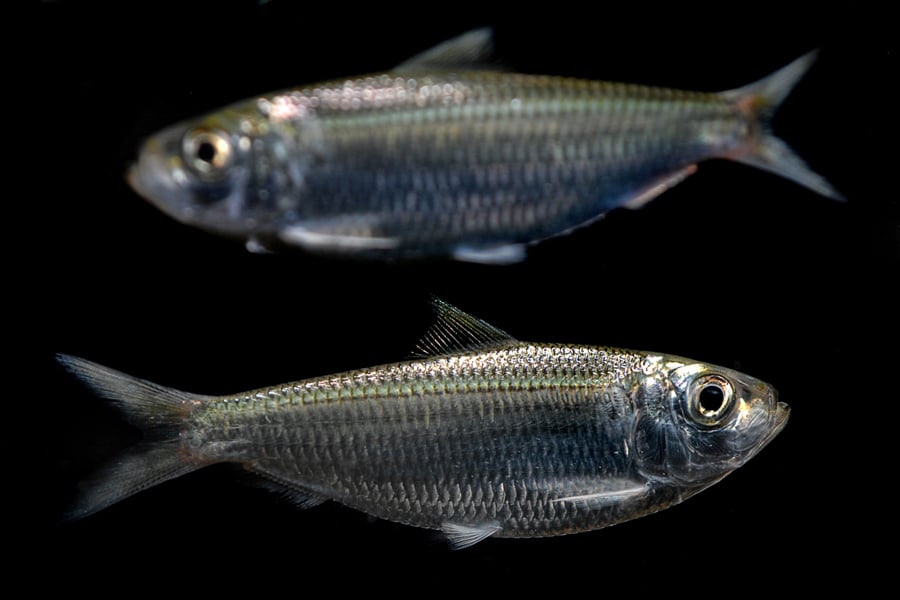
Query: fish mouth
{"points": [[780, 419], [774, 424]]}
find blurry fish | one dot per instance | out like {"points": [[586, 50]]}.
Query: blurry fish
{"points": [[479, 435], [443, 157]]}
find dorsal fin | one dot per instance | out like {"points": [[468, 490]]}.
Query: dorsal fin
{"points": [[456, 331], [470, 50]]}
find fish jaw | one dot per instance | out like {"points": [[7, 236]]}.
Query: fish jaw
{"points": [[765, 418], [779, 420]]}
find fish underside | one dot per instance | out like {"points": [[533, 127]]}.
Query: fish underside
{"points": [[444, 157], [480, 435]]}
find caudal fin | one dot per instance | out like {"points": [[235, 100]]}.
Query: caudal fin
{"points": [[759, 101], [158, 411]]}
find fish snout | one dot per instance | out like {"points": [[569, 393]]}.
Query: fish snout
{"points": [[160, 178]]}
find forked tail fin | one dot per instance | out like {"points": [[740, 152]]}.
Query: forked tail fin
{"points": [[158, 411], [759, 101]]}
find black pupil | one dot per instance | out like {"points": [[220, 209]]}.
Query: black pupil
{"points": [[711, 398], [206, 152]]}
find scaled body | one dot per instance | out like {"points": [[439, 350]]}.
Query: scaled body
{"points": [[438, 158], [482, 436]]}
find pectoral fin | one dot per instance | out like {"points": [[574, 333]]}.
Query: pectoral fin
{"points": [[610, 492], [491, 255], [352, 234]]}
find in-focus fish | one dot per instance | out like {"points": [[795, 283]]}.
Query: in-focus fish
{"points": [[442, 157], [480, 435]]}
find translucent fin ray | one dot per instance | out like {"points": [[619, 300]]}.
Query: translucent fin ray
{"points": [[470, 50], [313, 235], [773, 155], [143, 467], [614, 491], [462, 536], [157, 410], [658, 186], [506, 254], [297, 494], [456, 331], [759, 101]]}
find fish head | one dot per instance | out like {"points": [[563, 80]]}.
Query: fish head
{"points": [[707, 422], [233, 172]]}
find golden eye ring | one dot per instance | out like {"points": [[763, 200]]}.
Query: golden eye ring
{"points": [[710, 400], [207, 152]]}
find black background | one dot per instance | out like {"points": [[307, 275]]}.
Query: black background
{"points": [[734, 267]]}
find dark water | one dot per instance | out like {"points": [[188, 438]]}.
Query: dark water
{"points": [[734, 267]]}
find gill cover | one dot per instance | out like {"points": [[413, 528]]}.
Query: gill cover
{"points": [[701, 422]]}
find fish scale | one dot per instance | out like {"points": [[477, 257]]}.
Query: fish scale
{"points": [[478, 200], [397, 432]]}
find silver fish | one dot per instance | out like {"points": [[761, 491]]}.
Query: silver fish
{"points": [[480, 435], [443, 157]]}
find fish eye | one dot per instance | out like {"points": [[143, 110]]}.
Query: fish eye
{"points": [[206, 152], [710, 400]]}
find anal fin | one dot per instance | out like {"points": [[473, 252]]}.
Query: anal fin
{"points": [[301, 496], [657, 187]]}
